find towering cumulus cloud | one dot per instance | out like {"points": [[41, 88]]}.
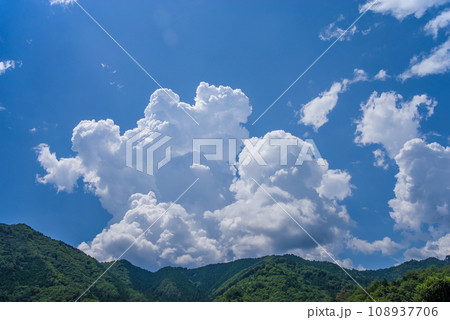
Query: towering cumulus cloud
{"points": [[421, 203], [255, 224], [422, 193], [226, 215], [100, 149]]}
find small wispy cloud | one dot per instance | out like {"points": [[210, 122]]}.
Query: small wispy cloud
{"points": [[382, 75], [437, 62], [108, 68], [380, 159], [332, 31], [117, 85], [5, 65], [440, 22], [315, 112], [359, 75], [61, 2]]}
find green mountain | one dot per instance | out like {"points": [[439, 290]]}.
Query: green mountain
{"points": [[34, 267], [397, 272], [432, 284]]}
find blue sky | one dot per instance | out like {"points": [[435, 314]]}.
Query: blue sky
{"points": [[66, 70]]}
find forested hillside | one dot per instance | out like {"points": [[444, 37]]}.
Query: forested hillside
{"points": [[34, 267], [429, 285]]}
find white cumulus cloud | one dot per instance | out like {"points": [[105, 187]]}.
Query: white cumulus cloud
{"points": [[251, 225], [421, 203], [381, 75], [6, 65], [385, 246], [335, 185], [380, 159], [402, 8], [255, 225], [226, 215], [438, 23], [63, 173], [100, 149], [315, 112], [437, 62], [176, 239], [390, 121], [422, 192], [439, 249]]}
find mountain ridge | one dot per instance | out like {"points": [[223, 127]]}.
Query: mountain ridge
{"points": [[34, 267]]}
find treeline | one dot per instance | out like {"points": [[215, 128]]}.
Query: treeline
{"points": [[429, 285], [34, 267]]}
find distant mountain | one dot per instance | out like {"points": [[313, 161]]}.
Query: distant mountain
{"points": [[394, 273], [34, 267]]}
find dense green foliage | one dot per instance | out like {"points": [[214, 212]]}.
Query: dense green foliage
{"points": [[283, 279], [397, 272], [427, 285], [34, 267]]}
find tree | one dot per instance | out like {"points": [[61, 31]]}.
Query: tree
{"points": [[434, 289]]}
